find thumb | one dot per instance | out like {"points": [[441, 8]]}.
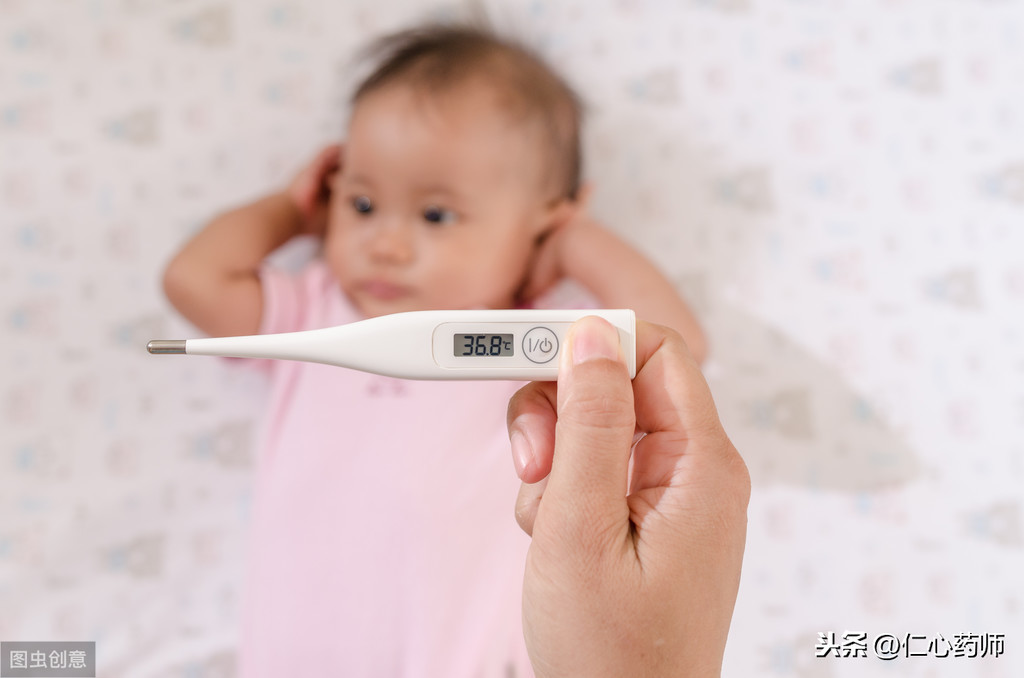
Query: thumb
{"points": [[594, 432]]}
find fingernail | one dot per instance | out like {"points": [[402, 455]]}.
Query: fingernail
{"points": [[594, 338], [522, 451]]}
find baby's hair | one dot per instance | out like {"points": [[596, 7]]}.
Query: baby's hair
{"points": [[439, 58]]}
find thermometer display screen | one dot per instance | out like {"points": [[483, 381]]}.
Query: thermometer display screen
{"points": [[484, 344]]}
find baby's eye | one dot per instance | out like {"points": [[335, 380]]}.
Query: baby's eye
{"points": [[438, 215], [362, 204]]}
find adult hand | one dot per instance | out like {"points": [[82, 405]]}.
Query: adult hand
{"points": [[635, 561], [310, 190]]}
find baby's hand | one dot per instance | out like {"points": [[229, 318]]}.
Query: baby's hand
{"points": [[548, 265], [310, 190]]}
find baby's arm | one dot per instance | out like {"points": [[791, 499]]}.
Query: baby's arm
{"points": [[618, 275], [214, 280], [621, 277]]}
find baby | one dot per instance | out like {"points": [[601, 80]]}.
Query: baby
{"points": [[382, 538]]}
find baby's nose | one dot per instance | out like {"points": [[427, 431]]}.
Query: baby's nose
{"points": [[392, 243]]}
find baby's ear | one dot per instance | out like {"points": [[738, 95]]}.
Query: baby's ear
{"points": [[583, 194], [563, 210]]}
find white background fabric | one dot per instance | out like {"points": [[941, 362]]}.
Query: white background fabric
{"points": [[837, 185]]}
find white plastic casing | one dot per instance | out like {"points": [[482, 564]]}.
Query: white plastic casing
{"points": [[421, 344]]}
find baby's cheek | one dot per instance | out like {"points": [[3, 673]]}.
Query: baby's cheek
{"points": [[335, 254], [505, 278], [464, 285]]}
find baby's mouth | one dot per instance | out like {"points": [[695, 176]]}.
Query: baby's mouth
{"points": [[383, 290]]}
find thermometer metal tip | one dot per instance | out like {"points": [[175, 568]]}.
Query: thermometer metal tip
{"points": [[166, 346]]}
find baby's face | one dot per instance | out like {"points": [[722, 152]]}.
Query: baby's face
{"points": [[437, 205]]}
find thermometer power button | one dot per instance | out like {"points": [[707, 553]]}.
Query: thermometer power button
{"points": [[540, 345]]}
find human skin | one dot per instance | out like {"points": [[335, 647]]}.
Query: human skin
{"points": [[614, 272], [408, 157], [412, 158], [632, 570], [460, 217]]}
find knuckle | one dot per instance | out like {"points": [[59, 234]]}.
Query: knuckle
{"points": [[600, 409], [530, 398], [737, 477], [517, 404], [523, 519], [527, 505], [601, 401], [741, 476]]}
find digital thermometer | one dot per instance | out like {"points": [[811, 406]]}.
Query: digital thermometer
{"points": [[517, 345]]}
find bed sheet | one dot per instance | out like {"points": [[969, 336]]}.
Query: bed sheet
{"points": [[837, 186]]}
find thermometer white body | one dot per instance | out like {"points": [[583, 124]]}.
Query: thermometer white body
{"points": [[515, 345]]}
